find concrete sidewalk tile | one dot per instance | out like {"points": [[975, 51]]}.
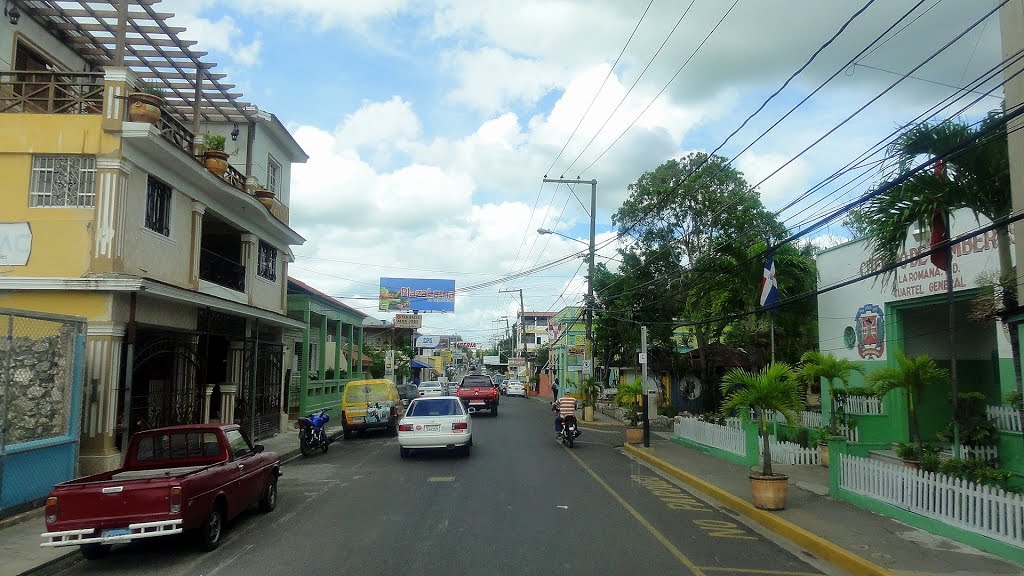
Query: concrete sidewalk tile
{"points": [[852, 538]]}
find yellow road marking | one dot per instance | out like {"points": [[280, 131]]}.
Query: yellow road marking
{"points": [[756, 571], [601, 431], [693, 568]]}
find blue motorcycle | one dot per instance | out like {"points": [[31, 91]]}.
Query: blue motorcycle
{"points": [[313, 432]]}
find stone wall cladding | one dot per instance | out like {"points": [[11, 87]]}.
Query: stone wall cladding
{"points": [[36, 369]]}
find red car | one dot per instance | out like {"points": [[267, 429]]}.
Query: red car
{"points": [[174, 479], [477, 392]]}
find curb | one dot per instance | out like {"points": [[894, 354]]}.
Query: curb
{"points": [[824, 549]]}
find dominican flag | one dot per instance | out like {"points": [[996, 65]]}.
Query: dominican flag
{"points": [[769, 286]]}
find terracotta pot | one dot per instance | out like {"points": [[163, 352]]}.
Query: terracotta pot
{"points": [[216, 161], [144, 107], [263, 194], [769, 492], [268, 202], [588, 413], [634, 435], [824, 454]]}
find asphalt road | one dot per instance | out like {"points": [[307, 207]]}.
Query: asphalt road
{"points": [[520, 504]]}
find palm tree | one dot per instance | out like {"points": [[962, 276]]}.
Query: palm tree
{"points": [[914, 375], [815, 365], [775, 388]]}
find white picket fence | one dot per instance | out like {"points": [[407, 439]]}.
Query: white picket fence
{"points": [[791, 452], [721, 437], [1005, 416], [986, 453], [806, 419], [982, 509], [863, 405]]}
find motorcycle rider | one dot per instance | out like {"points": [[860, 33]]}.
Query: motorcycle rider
{"points": [[565, 407]]}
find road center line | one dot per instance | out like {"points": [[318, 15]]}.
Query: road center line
{"points": [[756, 571], [693, 568]]}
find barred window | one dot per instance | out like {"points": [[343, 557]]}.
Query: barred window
{"points": [[63, 181], [158, 207], [267, 265], [273, 173]]}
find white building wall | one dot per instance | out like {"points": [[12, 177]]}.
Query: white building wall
{"points": [[148, 253], [40, 40]]}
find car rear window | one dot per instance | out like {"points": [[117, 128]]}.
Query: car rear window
{"points": [[366, 393], [436, 407], [476, 382], [178, 445]]}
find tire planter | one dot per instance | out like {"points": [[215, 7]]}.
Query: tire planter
{"points": [[769, 492], [144, 107], [588, 413], [216, 162], [634, 435]]}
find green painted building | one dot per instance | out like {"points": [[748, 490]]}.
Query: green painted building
{"points": [[568, 344]]}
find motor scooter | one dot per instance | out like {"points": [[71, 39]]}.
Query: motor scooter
{"points": [[313, 432]]}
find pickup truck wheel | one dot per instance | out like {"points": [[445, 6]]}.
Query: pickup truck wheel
{"points": [[209, 534], [269, 501], [494, 411], [94, 551], [346, 434]]}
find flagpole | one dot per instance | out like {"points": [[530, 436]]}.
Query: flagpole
{"points": [[771, 316]]}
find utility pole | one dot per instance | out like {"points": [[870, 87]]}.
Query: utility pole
{"points": [[643, 375], [519, 334], [590, 274]]}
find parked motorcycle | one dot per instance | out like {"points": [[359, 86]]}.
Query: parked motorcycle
{"points": [[570, 430], [313, 432]]}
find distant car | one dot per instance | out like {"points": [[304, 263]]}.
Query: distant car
{"points": [[435, 424], [515, 388], [431, 388]]}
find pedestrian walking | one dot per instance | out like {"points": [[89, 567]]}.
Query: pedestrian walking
{"points": [[554, 388]]}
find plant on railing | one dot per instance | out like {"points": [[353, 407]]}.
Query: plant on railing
{"points": [[971, 422], [151, 88], [214, 141], [815, 366], [628, 397], [913, 375], [145, 102], [215, 158]]}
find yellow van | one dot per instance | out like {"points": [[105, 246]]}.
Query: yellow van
{"points": [[370, 404]]}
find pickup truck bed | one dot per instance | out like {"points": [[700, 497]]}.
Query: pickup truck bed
{"points": [[157, 473]]}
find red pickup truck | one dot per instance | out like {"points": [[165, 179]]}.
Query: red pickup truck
{"points": [[174, 479], [477, 392]]}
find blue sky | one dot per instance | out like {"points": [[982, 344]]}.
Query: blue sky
{"points": [[430, 124]]}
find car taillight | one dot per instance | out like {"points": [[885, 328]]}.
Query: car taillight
{"points": [[460, 426], [51, 509], [405, 427], [175, 499]]}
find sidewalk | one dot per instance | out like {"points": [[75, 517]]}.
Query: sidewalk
{"points": [[853, 539], [19, 535]]}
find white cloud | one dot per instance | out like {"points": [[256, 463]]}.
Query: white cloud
{"points": [[787, 183], [223, 35]]}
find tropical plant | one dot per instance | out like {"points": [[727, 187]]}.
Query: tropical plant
{"points": [[591, 389], [815, 366], [775, 388], [1014, 399], [151, 88], [626, 397], [214, 141], [971, 422], [914, 375]]}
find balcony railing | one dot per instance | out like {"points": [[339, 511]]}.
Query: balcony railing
{"points": [[47, 92], [221, 271]]}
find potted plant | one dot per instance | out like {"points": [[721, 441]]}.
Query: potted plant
{"points": [[913, 375], [815, 366], [591, 390], [215, 158], [776, 388], [144, 104], [628, 397]]}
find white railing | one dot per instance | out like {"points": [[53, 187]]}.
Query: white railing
{"points": [[986, 453], [734, 422], [790, 452], [1005, 416], [806, 419], [863, 405], [981, 509], [721, 437]]}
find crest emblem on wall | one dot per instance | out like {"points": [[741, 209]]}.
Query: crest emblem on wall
{"points": [[870, 327]]}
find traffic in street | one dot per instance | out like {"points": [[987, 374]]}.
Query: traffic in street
{"points": [[521, 504]]}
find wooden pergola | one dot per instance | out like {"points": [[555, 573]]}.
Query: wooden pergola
{"points": [[131, 33]]}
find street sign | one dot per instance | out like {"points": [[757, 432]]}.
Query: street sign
{"points": [[408, 321], [389, 362], [516, 362], [427, 342], [586, 365], [643, 358]]}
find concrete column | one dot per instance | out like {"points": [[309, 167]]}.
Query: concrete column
{"points": [[361, 371], [1011, 21], [207, 395], [236, 361], [228, 393], [337, 349], [198, 209], [248, 259], [117, 84], [103, 349], [109, 216], [321, 367], [350, 336]]}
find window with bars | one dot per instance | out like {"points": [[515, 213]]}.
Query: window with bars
{"points": [[158, 207], [273, 173], [63, 181], [267, 263]]}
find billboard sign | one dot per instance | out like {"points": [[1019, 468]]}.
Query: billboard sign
{"points": [[515, 362], [427, 342], [408, 321], [416, 294], [492, 359]]}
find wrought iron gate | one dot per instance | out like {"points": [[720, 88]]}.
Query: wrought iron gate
{"points": [[175, 397], [260, 392]]}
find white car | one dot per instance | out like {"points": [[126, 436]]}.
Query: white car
{"points": [[431, 388], [435, 423], [515, 388]]}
